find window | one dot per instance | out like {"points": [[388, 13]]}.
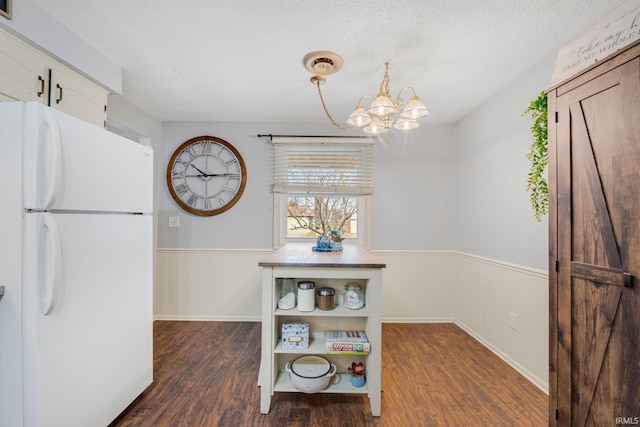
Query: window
{"points": [[321, 184], [307, 216]]}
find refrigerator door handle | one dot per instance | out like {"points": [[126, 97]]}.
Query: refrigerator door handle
{"points": [[55, 160], [49, 284]]}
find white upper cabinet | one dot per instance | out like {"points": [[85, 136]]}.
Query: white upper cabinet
{"points": [[77, 96], [26, 74]]}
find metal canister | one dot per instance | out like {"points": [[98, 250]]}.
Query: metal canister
{"points": [[326, 298]]}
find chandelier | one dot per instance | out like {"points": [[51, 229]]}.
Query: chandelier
{"points": [[383, 113]]}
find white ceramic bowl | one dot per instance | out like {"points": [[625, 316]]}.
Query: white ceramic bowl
{"points": [[310, 374]]}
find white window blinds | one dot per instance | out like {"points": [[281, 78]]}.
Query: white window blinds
{"points": [[322, 166]]}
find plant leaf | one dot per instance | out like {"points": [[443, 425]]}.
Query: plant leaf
{"points": [[538, 155]]}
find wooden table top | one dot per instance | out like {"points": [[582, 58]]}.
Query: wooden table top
{"points": [[301, 255]]}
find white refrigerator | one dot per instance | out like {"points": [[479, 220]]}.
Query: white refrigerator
{"points": [[76, 260]]}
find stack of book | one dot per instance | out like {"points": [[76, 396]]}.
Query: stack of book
{"points": [[346, 342]]}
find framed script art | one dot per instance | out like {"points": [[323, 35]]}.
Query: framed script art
{"points": [[5, 8]]}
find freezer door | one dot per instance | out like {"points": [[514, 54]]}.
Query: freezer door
{"points": [[87, 316], [69, 164]]}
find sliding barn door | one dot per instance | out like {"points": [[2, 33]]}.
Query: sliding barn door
{"points": [[595, 239]]}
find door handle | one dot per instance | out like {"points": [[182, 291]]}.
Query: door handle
{"points": [[48, 284], [41, 91], [59, 98], [55, 160]]}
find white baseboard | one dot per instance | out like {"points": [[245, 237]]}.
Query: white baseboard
{"points": [[418, 320], [190, 318], [542, 385]]}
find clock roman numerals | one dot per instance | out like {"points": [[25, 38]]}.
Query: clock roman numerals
{"points": [[191, 152], [192, 200], [231, 191], [177, 174], [181, 190], [206, 147], [219, 200]]}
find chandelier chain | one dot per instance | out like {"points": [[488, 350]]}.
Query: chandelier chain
{"points": [[326, 111], [384, 86]]}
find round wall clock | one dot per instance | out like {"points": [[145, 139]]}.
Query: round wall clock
{"points": [[206, 175]]}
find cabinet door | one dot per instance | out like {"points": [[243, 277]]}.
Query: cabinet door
{"points": [[597, 305], [23, 73], [77, 96]]}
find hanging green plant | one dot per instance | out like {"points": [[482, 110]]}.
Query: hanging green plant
{"points": [[538, 155]]}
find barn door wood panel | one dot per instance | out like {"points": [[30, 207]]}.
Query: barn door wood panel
{"points": [[595, 361]]}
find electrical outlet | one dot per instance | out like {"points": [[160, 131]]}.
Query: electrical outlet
{"points": [[513, 321], [174, 221]]}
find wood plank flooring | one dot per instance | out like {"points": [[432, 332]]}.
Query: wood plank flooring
{"points": [[206, 373]]}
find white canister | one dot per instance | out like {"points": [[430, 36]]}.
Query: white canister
{"points": [[306, 296]]}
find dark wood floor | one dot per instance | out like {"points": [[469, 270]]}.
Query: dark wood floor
{"points": [[206, 373]]}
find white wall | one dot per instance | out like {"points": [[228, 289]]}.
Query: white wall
{"points": [[412, 204], [493, 215], [412, 210], [414, 183], [247, 225], [503, 264]]}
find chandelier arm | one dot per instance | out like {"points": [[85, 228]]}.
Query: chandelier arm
{"points": [[326, 111], [364, 97], [405, 89]]}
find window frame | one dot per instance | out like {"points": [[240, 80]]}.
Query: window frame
{"points": [[280, 222], [280, 197]]}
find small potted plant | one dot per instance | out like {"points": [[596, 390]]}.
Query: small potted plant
{"points": [[357, 374], [336, 238]]}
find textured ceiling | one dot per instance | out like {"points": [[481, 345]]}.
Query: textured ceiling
{"points": [[242, 60]]}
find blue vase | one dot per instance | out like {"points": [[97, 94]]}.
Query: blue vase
{"points": [[324, 243], [357, 381]]}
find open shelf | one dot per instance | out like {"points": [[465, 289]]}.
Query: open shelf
{"points": [[340, 383], [353, 265], [316, 346], [339, 311]]}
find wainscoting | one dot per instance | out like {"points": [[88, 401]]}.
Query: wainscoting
{"points": [[487, 293], [478, 294], [208, 284]]}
